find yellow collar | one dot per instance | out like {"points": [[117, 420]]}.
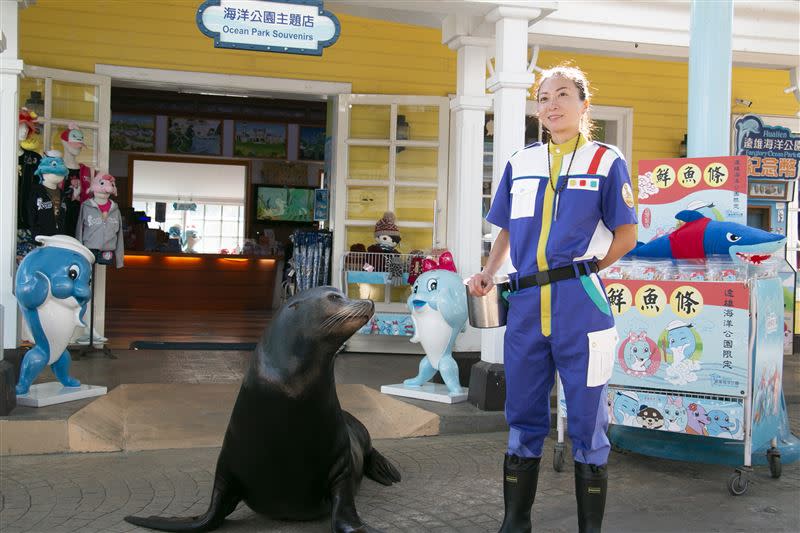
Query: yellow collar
{"points": [[565, 147]]}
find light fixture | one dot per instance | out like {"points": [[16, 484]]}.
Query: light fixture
{"points": [[403, 131], [35, 103]]}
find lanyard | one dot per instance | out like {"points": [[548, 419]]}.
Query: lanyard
{"points": [[566, 176]]}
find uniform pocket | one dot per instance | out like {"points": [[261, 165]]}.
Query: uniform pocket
{"points": [[523, 198], [601, 356]]}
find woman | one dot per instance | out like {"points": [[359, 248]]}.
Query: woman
{"points": [[565, 210]]}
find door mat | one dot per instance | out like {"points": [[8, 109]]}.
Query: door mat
{"points": [[152, 345]]}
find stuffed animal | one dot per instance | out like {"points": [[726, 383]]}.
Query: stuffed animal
{"points": [[700, 237], [387, 237]]}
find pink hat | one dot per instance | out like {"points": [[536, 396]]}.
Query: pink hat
{"points": [[72, 134]]}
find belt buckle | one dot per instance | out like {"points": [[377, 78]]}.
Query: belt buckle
{"points": [[542, 278]]}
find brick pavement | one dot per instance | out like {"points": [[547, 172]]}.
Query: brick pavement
{"points": [[450, 484]]}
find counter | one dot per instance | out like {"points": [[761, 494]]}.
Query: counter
{"points": [[157, 280]]}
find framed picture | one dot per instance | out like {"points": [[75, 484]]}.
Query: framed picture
{"points": [[260, 139], [284, 204], [312, 143], [197, 136], [132, 133], [770, 189]]}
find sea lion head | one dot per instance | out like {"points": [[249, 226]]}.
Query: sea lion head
{"points": [[328, 315]]}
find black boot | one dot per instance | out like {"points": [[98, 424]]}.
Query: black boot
{"points": [[520, 476], [591, 485]]}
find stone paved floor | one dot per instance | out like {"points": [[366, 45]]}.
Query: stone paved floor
{"points": [[450, 484]]}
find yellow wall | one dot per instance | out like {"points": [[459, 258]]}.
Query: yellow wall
{"points": [[658, 93], [375, 56]]}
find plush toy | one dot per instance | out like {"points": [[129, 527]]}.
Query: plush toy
{"points": [[700, 237], [190, 239], [387, 237]]}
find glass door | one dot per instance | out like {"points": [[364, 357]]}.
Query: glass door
{"points": [[391, 155]]}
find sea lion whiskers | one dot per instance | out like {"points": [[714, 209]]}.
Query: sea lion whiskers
{"points": [[358, 309]]}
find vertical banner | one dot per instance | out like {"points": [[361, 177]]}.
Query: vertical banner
{"points": [[714, 186]]}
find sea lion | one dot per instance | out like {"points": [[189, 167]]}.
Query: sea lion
{"points": [[290, 451]]}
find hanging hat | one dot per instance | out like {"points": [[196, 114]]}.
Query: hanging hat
{"points": [[73, 134], [66, 242], [387, 226], [29, 118]]}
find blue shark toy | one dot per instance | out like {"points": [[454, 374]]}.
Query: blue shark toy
{"points": [[700, 237], [438, 305], [52, 289]]}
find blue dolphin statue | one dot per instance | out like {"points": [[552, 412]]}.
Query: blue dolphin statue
{"points": [[438, 305], [700, 237], [52, 289]]}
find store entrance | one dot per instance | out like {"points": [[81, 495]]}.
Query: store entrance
{"points": [[212, 187]]}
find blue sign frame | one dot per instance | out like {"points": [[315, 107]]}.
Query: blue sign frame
{"points": [[321, 12]]}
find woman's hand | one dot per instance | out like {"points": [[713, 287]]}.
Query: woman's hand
{"points": [[480, 284]]}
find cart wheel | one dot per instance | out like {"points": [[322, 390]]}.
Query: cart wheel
{"points": [[774, 460], [558, 458], [738, 484]]}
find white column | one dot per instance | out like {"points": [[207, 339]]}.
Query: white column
{"points": [[10, 70], [510, 84], [465, 182]]}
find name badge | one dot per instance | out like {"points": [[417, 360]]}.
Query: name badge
{"points": [[584, 184]]}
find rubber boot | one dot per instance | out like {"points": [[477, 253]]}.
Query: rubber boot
{"points": [[591, 486], [520, 476]]}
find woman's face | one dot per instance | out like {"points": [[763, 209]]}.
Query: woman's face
{"points": [[560, 107]]}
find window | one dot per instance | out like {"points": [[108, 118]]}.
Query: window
{"points": [[219, 226]]}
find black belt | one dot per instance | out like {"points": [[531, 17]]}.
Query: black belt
{"points": [[545, 277]]}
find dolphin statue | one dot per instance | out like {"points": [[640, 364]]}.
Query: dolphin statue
{"points": [[52, 290]]}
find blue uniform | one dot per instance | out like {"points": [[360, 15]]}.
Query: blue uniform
{"points": [[567, 325]]}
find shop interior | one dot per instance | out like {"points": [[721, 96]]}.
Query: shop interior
{"points": [[212, 187]]}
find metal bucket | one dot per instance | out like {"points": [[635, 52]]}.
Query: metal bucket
{"points": [[489, 310]]}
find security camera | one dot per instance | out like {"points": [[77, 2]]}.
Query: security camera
{"points": [[744, 102]]}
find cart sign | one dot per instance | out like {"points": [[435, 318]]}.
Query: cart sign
{"points": [[772, 151], [290, 26], [716, 187]]}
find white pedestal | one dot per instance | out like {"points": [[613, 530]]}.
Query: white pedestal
{"points": [[434, 392], [53, 392]]}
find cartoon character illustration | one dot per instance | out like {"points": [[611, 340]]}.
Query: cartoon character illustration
{"points": [[438, 305], [650, 418], [701, 237], [720, 422], [610, 405], [706, 209], [681, 345], [639, 355], [675, 414], [626, 407], [52, 288], [698, 420]]}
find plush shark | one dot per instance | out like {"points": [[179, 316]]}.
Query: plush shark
{"points": [[700, 237]]}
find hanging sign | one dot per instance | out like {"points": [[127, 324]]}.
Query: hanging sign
{"points": [[714, 186], [772, 151], [290, 26]]}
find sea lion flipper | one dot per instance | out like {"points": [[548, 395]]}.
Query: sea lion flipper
{"points": [[224, 500], [379, 468], [344, 517]]}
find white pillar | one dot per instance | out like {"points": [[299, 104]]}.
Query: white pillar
{"points": [[10, 70], [510, 84], [468, 112]]}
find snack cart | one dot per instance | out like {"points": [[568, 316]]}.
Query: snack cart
{"points": [[698, 369]]}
